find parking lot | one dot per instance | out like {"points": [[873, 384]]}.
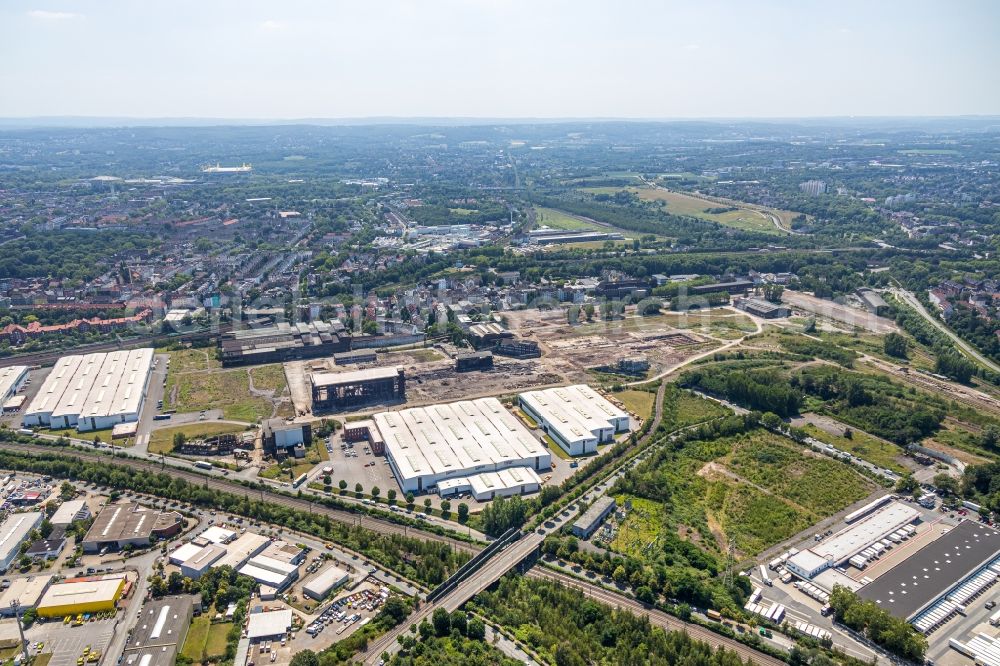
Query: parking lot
{"points": [[66, 642], [346, 614]]}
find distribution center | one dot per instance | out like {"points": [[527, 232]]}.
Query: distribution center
{"points": [[576, 417]]}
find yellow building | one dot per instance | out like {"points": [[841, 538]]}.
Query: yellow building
{"points": [[91, 596]]}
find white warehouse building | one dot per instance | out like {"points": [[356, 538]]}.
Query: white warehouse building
{"points": [[428, 445], [11, 380], [576, 417], [92, 392]]}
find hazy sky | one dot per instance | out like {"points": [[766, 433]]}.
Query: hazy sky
{"points": [[498, 58]]}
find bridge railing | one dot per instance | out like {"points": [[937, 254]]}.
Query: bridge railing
{"points": [[475, 564]]}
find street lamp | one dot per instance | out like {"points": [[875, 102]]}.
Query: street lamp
{"points": [[15, 606]]}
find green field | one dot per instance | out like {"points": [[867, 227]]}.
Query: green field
{"points": [[638, 402], [751, 490], [228, 390], [162, 439], [205, 641], [556, 219]]}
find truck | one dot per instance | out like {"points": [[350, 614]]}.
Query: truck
{"points": [[25, 431], [203, 464], [713, 615], [764, 577], [995, 619], [300, 480]]}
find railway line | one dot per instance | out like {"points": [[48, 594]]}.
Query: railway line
{"points": [[224, 485], [658, 618]]}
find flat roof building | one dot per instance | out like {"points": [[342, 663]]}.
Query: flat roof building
{"points": [[217, 534], [576, 417], [93, 392], [326, 581], [489, 485], [27, 591], [86, 596], [270, 625], [761, 308], [70, 512], [241, 550], [592, 518], [197, 564], [270, 571], [426, 445], [850, 541], [119, 525], [159, 632], [184, 552], [13, 531], [11, 379]]}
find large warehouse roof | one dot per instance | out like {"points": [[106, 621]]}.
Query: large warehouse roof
{"points": [[27, 591], [119, 522], [575, 412], [82, 592], [241, 550], [96, 385], [934, 569], [68, 511], [54, 386], [453, 439]]}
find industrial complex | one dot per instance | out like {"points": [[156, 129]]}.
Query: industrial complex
{"points": [[120, 525], [336, 391], [92, 392], [459, 443]]}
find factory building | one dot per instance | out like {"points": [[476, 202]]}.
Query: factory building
{"points": [[159, 632], [84, 596], [92, 392], [592, 518], [282, 342], [490, 485], [325, 582], [360, 388], [761, 308], [951, 571], [576, 417], [119, 525], [197, 564], [355, 357], [183, 553], [426, 445], [70, 512], [481, 360], [13, 531], [365, 431], [517, 348], [849, 542]]}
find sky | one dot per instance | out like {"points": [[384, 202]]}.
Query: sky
{"points": [[290, 59]]}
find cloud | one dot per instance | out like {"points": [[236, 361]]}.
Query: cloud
{"points": [[272, 25], [46, 15]]}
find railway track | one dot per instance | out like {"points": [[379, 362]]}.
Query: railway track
{"points": [[341, 515], [658, 618]]}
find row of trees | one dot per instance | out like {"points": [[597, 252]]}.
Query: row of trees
{"points": [[892, 633]]}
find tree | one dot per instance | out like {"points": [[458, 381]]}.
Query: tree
{"points": [[445, 507], [358, 489], [395, 609], [67, 491], [409, 500], [305, 658], [441, 621], [946, 485], [427, 505], [476, 630], [343, 486], [895, 345], [463, 512], [375, 493], [588, 311], [179, 440], [460, 622], [907, 484], [391, 496]]}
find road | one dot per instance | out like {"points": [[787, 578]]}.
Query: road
{"points": [[915, 303]]}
